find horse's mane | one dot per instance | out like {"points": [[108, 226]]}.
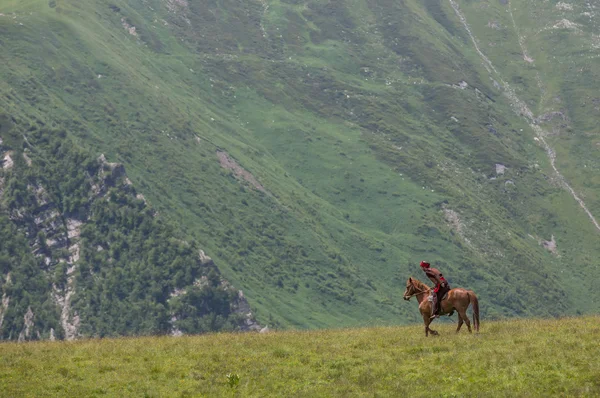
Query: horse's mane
{"points": [[420, 285]]}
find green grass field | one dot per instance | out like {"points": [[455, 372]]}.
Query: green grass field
{"points": [[507, 358]]}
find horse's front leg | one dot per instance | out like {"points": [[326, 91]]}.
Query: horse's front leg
{"points": [[427, 321]]}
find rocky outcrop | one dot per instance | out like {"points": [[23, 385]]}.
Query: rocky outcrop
{"points": [[500, 169], [5, 301], [27, 325], [69, 320], [109, 175], [239, 306], [203, 257], [7, 161], [550, 245], [129, 28], [566, 24], [27, 159], [562, 6], [243, 307], [73, 228]]}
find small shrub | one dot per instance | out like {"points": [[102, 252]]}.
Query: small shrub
{"points": [[233, 379]]}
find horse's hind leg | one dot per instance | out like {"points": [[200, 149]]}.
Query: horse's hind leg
{"points": [[460, 323], [462, 315]]}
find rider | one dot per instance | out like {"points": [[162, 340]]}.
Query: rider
{"points": [[441, 286]]}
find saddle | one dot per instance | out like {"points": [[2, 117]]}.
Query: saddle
{"points": [[444, 297]]}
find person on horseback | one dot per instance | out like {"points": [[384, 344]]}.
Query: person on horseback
{"points": [[441, 286]]}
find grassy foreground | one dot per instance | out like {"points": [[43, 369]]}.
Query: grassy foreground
{"points": [[508, 358]]}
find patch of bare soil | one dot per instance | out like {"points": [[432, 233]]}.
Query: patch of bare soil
{"points": [[228, 163], [456, 223], [550, 245]]}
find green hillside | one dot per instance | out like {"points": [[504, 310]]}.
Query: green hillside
{"points": [[318, 150], [524, 358]]}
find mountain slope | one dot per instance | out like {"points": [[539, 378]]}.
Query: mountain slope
{"points": [[318, 150]]}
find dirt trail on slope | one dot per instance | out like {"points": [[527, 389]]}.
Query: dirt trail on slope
{"points": [[521, 108]]}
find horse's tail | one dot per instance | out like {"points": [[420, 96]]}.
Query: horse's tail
{"points": [[475, 303]]}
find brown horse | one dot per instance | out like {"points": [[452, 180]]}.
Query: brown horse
{"points": [[458, 300]]}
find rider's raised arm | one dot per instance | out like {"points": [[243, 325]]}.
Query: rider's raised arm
{"points": [[434, 275]]}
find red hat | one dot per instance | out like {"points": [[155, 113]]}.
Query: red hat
{"points": [[424, 264]]}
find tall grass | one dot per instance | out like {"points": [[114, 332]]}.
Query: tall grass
{"points": [[508, 358]]}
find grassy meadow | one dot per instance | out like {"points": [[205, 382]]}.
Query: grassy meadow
{"points": [[507, 358]]}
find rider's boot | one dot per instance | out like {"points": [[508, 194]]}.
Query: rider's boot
{"points": [[434, 306]]}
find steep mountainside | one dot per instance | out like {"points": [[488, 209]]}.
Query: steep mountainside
{"points": [[316, 149], [83, 254]]}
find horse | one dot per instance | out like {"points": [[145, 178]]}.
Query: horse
{"points": [[458, 300]]}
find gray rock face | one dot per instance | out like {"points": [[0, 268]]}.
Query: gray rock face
{"points": [[243, 307], [5, 303], [27, 326], [7, 162], [500, 169], [550, 245]]}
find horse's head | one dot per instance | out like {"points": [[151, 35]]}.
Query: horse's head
{"points": [[410, 289]]}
